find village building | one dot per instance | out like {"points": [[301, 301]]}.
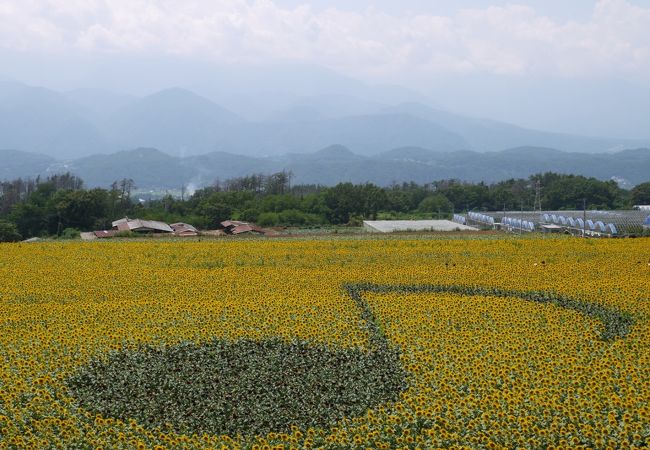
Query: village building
{"points": [[236, 227], [184, 229], [141, 226], [390, 226]]}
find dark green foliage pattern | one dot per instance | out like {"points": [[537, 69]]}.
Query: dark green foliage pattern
{"points": [[248, 387]]}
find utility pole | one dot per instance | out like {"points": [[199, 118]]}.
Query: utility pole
{"points": [[537, 205], [584, 217]]}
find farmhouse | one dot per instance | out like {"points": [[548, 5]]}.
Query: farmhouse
{"points": [[236, 227], [141, 226], [184, 229]]}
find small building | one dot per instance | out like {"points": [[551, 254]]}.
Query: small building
{"points": [[551, 228], [236, 227], [389, 226], [184, 229], [141, 226]]}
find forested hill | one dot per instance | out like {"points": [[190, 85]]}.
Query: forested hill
{"points": [[153, 169]]}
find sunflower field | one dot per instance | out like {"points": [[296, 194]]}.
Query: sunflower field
{"points": [[392, 342]]}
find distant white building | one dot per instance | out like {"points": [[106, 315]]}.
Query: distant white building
{"points": [[642, 207], [389, 226]]}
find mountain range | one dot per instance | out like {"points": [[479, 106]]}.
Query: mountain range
{"points": [[153, 169], [180, 122]]}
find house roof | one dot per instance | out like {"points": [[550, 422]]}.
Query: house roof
{"points": [[116, 223], [239, 229], [181, 227], [232, 223], [247, 228], [127, 224]]}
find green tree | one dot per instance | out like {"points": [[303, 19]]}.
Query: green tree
{"points": [[343, 200], [568, 192], [373, 200], [216, 208], [640, 194], [9, 232], [292, 217], [268, 219], [82, 210], [30, 219], [435, 204]]}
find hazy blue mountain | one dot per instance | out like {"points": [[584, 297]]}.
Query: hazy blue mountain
{"points": [[491, 135], [417, 154], [325, 107], [153, 169], [43, 121], [17, 164], [99, 104], [257, 91], [182, 123], [148, 167], [174, 120], [366, 135], [628, 166], [208, 168], [297, 113], [601, 105], [598, 105], [336, 152], [422, 165]]}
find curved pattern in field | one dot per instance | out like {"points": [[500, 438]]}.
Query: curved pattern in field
{"points": [[615, 323]]}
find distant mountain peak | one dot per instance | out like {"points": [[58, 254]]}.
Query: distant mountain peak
{"points": [[177, 97]]}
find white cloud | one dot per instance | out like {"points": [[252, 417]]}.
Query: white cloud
{"points": [[501, 40]]}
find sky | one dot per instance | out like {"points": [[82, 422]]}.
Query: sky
{"points": [[440, 48]]}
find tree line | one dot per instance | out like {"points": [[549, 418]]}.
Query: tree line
{"points": [[60, 205]]}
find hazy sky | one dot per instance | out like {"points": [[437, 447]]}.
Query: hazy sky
{"points": [[365, 38], [410, 42]]}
